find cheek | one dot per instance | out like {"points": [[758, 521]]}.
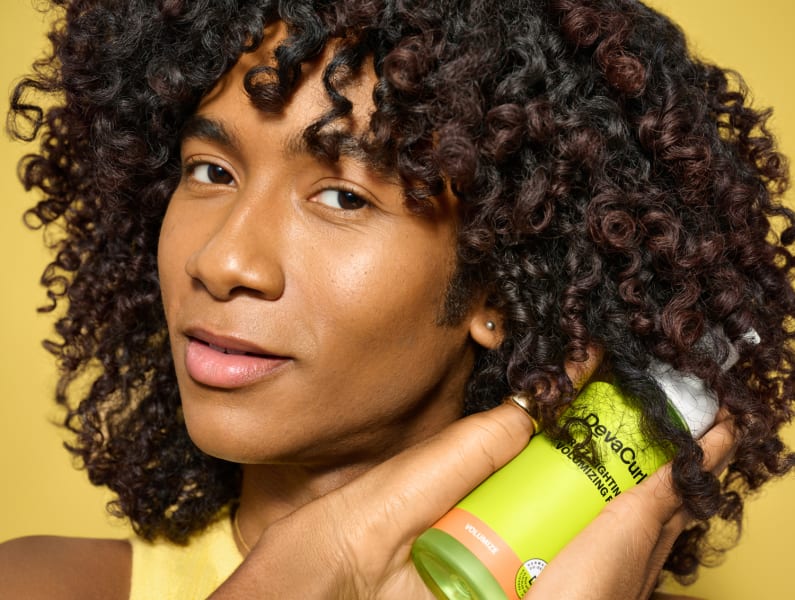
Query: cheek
{"points": [[390, 294], [165, 256], [171, 255]]}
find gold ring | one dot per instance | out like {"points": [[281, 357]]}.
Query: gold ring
{"points": [[524, 402]]}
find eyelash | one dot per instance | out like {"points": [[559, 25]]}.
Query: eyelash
{"points": [[343, 190], [192, 165]]}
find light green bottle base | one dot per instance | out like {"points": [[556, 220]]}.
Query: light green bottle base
{"points": [[451, 571]]}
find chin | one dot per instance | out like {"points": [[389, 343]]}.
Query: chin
{"points": [[217, 433], [234, 437]]}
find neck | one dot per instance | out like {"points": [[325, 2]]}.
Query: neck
{"points": [[272, 491]]}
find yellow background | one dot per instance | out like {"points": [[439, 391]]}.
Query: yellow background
{"points": [[41, 493]]}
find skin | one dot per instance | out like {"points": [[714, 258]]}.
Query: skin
{"points": [[260, 248], [348, 430]]}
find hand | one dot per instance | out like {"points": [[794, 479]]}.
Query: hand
{"points": [[355, 541], [621, 552]]}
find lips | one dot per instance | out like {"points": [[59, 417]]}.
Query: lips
{"points": [[229, 363], [230, 351]]}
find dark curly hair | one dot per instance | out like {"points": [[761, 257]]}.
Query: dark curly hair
{"points": [[615, 192]]}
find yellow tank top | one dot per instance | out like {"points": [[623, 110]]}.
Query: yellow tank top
{"points": [[164, 571]]}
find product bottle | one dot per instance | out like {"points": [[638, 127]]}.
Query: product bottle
{"points": [[496, 541]]}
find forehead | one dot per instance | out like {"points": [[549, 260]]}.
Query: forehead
{"points": [[329, 111], [311, 100]]}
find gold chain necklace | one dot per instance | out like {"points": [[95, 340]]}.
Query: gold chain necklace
{"points": [[238, 533]]}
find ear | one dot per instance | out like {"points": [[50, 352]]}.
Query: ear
{"points": [[486, 327]]}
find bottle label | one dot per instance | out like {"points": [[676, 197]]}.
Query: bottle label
{"points": [[527, 511], [495, 554]]}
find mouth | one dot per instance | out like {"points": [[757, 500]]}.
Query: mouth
{"points": [[225, 350], [229, 350], [228, 362], [229, 344]]}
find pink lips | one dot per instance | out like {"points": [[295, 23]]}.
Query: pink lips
{"points": [[227, 363]]}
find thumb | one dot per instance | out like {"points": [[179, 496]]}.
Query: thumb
{"points": [[425, 481]]}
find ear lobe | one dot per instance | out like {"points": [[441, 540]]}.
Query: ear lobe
{"points": [[486, 328]]}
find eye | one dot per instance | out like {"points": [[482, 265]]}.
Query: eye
{"points": [[205, 172], [341, 199]]}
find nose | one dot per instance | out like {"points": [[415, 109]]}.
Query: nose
{"points": [[242, 255]]}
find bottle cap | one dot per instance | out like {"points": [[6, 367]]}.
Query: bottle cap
{"points": [[688, 395], [694, 403]]}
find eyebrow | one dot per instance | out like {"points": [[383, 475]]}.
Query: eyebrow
{"points": [[210, 130], [348, 146]]}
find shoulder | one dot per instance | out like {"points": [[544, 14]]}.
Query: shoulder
{"points": [[62, 568]]}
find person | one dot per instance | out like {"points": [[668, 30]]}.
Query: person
{"points": [[309, 247]]}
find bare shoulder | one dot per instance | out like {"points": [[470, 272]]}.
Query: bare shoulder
{"points": [[62, 568]]}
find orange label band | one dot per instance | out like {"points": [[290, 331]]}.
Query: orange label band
{"points": [[490, 549]]}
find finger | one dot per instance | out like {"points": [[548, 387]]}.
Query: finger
{"points": [[424, 482], [719, 444], [580, 372], [662, 549], [640, 526], [658, 490], [621, 551]]}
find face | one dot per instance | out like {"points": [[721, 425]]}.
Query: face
{"points": [[302, 297]]}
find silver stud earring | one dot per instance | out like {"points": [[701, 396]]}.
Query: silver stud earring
{"points": [[490, 325]]}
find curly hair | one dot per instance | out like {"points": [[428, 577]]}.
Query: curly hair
{"points": [[614, 191]]}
